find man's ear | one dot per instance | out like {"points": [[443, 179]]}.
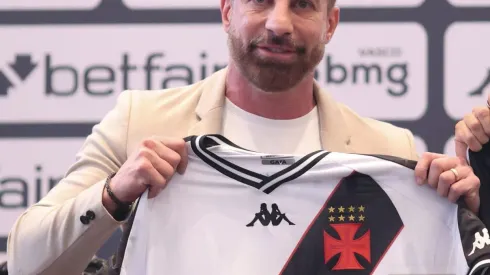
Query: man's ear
{"points": [[333, 18], [225, 7]]}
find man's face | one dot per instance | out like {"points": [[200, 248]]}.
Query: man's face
{"points": [[276, 43]]}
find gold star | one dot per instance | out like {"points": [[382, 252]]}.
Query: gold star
{"points": [[351, 218], [361, 218], [331, 219], [351, 209], [331, 209], [361, 208], [341, 218], [341, 209]]}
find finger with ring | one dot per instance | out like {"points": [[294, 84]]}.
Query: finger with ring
{"points": [[455, 172]]}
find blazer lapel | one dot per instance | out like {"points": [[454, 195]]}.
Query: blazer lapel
{"points": [[209, 109], [334, 131]]}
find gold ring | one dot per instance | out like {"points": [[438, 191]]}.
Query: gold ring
{"points": [[455, 172]]}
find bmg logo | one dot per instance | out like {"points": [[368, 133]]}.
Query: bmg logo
{"points": [[372, 67], [365, 73]]}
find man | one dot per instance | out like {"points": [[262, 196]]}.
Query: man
{"points": [[472, 134], [265, 100]]}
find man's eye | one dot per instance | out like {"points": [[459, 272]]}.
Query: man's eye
{"points": [[303, 4]]}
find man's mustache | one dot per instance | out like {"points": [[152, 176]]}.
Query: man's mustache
{"points": [[283, 41]]}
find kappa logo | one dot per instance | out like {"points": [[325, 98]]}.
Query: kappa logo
{"points": [[480, 241], [22, 67], [266, 217]]}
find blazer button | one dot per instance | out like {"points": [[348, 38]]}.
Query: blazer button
{"points": [[90, 214], [84, 219]]}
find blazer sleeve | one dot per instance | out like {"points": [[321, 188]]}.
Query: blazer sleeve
{"points": [[54, 236], [413, 154]]}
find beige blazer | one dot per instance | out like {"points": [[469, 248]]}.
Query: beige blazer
{"points": [[50, 237]]}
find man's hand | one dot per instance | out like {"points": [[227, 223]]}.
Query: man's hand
{"points": [[451, 177], [150, 167], [473, 131]]}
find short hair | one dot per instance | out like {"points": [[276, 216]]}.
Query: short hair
{"points": [[331, 3]]}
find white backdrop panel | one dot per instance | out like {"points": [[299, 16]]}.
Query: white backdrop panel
{"points": [[74, 73], [49, 4], [198, 4], [467, 67]]}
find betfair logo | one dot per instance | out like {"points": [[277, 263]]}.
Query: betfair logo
{"points": [[19, 192], [22, 67], [103, 79]]}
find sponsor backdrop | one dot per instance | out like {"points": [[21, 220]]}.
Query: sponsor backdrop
{"points": [[418, 64]]}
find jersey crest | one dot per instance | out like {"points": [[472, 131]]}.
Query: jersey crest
{"points": [[351, 233]]}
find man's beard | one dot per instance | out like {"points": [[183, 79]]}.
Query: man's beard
{"points": [[272, 75]]}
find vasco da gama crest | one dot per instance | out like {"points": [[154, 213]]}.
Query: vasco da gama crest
{"points": [[350, 234]]}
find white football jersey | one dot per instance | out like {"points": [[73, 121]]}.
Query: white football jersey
{"points": [[238, 212]]}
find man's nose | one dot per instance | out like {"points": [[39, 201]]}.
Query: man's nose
{"points": [[279, 20]]}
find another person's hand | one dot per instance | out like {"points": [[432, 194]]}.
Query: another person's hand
{"points": [[451, 177], [473, 131], [151, 167]]}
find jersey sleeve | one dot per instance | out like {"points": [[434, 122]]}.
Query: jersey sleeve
{"points": [[480, 162], [475, 241]]}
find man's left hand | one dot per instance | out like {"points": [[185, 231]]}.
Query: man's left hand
{"points": [[451, 177]]}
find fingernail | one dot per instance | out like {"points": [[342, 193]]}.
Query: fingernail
{"points": [[418, 180]]}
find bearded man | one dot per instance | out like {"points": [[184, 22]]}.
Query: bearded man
{"points": [[265, 100]]}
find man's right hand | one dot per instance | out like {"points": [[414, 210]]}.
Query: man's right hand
{"points": [[473, 131], [151, 167]]}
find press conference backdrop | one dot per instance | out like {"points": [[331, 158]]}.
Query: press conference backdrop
{"points": [[418, 64]]}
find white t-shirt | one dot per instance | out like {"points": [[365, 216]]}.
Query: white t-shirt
{"points": [[272, 136]]}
